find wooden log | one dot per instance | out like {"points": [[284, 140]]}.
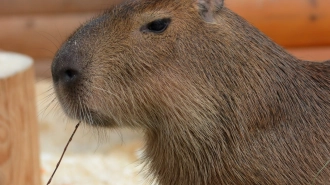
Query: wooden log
{"points": [[19, 152], [290, 23], [318, 54], [15, 7], [38, 36], [293, 23]]}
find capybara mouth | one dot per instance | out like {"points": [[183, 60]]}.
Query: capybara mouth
{"points": [[78, 105], [89, 116], [94, 119]]}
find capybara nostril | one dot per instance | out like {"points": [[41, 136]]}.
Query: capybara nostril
{"points": [[65, 73], [69, 75]]}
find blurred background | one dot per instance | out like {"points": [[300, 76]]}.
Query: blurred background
{"points": [[38, 28]]}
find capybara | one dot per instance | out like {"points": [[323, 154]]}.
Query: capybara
{"points": [[217, 100]]}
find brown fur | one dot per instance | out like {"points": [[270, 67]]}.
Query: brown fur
{"points": [[219, 102]]}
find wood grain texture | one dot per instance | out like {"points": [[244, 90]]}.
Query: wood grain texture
{"points": [[19, 152], [38, 36], [318, 54], [294, 23], [289, 23], [15, 7]]}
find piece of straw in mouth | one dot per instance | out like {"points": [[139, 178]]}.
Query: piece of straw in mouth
{"points": [[59, 162]]}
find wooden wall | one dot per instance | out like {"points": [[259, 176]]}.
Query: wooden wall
{"points": [[19, 7], [38, 27], [291, 23]]}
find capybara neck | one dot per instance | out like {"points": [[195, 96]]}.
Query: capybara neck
{"points": [[247, 114]]}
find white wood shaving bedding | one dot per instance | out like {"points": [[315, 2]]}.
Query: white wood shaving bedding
{"points": [[113, 161], [91, 170]]}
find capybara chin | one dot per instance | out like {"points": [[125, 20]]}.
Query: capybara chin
{"points": [[219, 102]]}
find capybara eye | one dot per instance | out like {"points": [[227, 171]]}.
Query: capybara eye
{"points": [[157, 26]]}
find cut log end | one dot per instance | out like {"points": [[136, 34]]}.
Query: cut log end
{"points": [[19, 150], [13, 63]]}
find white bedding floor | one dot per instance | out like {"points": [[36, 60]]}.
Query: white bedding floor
{"points": [[94, 157]]}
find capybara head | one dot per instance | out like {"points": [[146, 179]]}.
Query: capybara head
{"points": [[143, 60], [220, 103]]}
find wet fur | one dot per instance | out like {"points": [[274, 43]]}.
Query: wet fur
{"points": [[219, 102]]}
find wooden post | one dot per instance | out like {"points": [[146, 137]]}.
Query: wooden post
{"points": [[19, 145]]}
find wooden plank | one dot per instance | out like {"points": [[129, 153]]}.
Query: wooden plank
{"points": [[289, 23], [14, 7], [38, 36], [19, 142], [319, 54]]}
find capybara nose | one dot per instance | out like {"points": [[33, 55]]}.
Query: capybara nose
{"points": [[66, 70]]}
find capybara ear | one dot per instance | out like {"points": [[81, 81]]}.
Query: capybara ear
{"points": [[207, 8]]}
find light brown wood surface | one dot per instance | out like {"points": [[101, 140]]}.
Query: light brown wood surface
{"points": [[38, 36], [318, 54], [15, 7], [290, 23], [40, 31], [19, 152]]}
